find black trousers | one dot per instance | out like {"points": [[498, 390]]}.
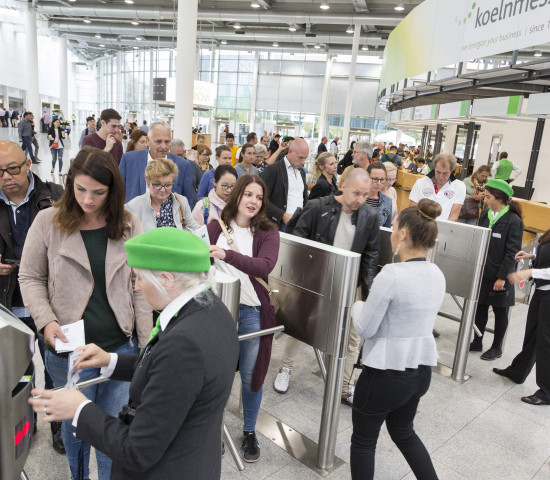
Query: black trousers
{"points": [[501, 323], [391, 396], [536, 345]]}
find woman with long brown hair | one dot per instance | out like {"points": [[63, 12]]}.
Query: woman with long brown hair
{"points": [[475, 186], [138, 141], [245, 244], [536, 344], [74, 267]]}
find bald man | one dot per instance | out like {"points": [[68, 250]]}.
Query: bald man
{"points": [[23, 195], [286, 184], [344, 221]]}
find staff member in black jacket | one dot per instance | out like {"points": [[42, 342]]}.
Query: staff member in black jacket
{"points": [[347, 222], [181, 381], [503, 217], [286, 184], [324, 170]]}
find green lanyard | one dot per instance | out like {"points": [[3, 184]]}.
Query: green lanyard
{"points": [[493, 219]]}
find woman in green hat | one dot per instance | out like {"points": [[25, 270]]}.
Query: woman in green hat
{"points": [[504, 217], [171, 427]]}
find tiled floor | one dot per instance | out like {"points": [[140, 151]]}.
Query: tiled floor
{"points": [[479, 430]]}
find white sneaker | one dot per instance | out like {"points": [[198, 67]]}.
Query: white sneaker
{"points": [[347, 398], [280, 385]]}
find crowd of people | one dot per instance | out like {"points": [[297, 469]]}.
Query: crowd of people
{"points": [[117, 249]]}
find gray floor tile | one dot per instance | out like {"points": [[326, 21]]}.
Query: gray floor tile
{"points": [[543, 473], [443, 473]]}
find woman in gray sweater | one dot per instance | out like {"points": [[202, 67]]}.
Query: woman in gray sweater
{"points": [[399, 348]]}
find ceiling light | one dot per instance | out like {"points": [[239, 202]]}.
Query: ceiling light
{"points": [[237, 26], [317, 46], [135, 21], [293, 28], [275, 44], [135, 48], [255, 4], [324, 5], [538, 53], [129, 2], [365, 48], [97, 35], [223, 42], [350, 29], [139, 39], [86, 20], [102, 45], [106, 54], [72, 0], [399, 7]]}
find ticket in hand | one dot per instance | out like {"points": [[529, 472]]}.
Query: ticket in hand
{"points": [[73, 376]]}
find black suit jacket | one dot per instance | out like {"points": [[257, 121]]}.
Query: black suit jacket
{"points": [[275, 177], [319, 221], [180, 386]]}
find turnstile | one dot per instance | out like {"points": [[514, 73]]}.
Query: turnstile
{"points": [[460, 253], [16, 381], [318, 284]]}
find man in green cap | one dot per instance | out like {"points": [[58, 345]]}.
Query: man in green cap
{"points": [[504, 169], [181, 381]]}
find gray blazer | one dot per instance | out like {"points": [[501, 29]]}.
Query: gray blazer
{"points": [[141, 206]]}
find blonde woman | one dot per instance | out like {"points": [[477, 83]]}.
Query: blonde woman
{"points": [[387, 188], [324, 170], [158, 206]]}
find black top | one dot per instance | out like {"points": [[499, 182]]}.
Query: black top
{"points": [[100, 324], [179, 388], [323, 188], [321, 148], [542, 261]]}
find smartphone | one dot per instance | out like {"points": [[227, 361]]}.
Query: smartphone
{"points": [[11, 261]]}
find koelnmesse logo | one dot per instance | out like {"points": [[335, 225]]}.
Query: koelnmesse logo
{"points": [[501, 11]]}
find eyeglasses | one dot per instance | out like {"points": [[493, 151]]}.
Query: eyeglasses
{"points": [[378, 180], [12, 170], [226, 187], [166, 186]]}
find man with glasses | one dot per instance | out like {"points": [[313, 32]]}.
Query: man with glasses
{"points": [[362, 154], [376, 199], [105, 139], [23, 195], [132, 166], [441, 186]]}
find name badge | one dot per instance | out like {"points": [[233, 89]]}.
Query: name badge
{"points": [[497, 235]]}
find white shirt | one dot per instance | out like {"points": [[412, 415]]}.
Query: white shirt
{"points": [[450, 194], [243, 238], [345, 232], [541, 274], [166, 315], [334, 148], [149, 157], [295, 195], [516, 171]]}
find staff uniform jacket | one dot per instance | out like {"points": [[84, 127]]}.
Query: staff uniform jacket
{"points": [[56, 278], [319, 221], [132, 167], [265, 252], [323, 188], [506, 238], [180, 386], [275, 177], [43, 196]]}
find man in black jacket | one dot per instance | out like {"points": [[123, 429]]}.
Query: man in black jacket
{"points": [[347, 222], [23, 195], [286, 184]]}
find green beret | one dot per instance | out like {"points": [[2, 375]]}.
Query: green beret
{"points": [[168, 249], [501, 185]]}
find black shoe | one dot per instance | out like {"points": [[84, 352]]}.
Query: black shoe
{"points": [[251, 447], [491, 354], [534, 400], [435, 333], [504, 372], [36, 162], [476, 345], [57, 441]]}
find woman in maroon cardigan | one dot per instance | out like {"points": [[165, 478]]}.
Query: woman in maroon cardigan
{"points": [[251, 252]]}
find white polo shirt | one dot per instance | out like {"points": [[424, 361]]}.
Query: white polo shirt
{"points": [[450, 194]]}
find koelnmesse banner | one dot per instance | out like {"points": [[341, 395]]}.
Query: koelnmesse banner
{"points": [[438, 33]]}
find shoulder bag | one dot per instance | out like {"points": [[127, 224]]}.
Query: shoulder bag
{"points": [[273, 300]]}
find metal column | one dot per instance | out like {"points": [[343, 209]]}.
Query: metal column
{"points": [[468, 151], [423, 142], [534, 159], [438, 139]]}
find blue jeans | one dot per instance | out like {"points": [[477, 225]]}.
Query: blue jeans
{"points": [[110, 396], [57, 154], [249, 321], [27, 145]]}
